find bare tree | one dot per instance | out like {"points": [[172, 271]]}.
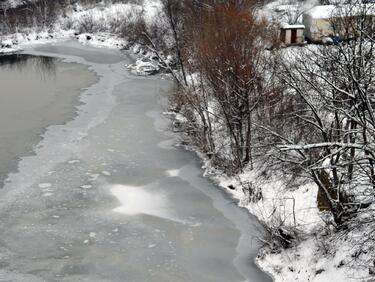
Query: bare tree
{"points": [[332, 89], [235, 67]]}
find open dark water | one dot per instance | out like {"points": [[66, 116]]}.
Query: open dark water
{"points": [[35, 92]]}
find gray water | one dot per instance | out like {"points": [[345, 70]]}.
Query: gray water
{"points": [[35, 92], [107, 197]]}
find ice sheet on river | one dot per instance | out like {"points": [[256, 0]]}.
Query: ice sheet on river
{"points": [[118, 202]]}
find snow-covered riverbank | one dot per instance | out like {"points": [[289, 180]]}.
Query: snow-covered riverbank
{"points": [[317, 255], [101, 17]]}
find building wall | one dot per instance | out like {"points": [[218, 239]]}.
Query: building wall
{"points": [[307, 21], [300, 36], [321, 28], [317, 29]]}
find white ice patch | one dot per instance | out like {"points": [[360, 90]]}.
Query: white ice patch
{"points": [[173, 172], [106, 173], [44, 185], [92, 176], [136, 200], [86, 186], [167, 144]]}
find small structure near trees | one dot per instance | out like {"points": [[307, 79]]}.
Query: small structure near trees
{"points": [[292, 34]]}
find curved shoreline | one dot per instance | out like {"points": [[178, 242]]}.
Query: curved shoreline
{"points": [[25, 173], [74, 132]]}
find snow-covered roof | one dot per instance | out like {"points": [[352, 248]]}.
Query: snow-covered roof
{"points": [[328, 11], [292, 26]]}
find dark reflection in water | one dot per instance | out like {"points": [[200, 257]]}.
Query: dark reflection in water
{"points": [[45, 66], [35, 92]]}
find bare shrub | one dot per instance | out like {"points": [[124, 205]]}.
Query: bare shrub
{"points": [[279, 236], [40, 15], [89, 24], [130, 26], [330, 132], [235, 68]]}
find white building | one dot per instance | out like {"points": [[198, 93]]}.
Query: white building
{"points": [[318, 20]]}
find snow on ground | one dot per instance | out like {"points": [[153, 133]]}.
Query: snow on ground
{"points": [[316, 257], [303, 263], [294, 207], [143, 67], [102, 40]]}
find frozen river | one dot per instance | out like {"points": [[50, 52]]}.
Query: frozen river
{"points": [[107, 197]]}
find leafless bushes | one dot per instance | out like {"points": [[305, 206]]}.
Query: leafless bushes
{"points": [[227, 84], [309, 113], [42, 15], [313, 117], [132, 29], [88, 24], [234, 65], [279, 233], [334, 88], [34, 14]]}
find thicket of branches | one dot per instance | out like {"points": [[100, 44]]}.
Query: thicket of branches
{"points": [[308, 112], [333, 87], [221, 81], [41, 15]]}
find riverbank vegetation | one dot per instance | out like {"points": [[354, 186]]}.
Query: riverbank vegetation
{"points": [[304, 114], [47, 18]]}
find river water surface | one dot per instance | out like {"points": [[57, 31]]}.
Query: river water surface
{"points": [[107, 197], [35, 92]]}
